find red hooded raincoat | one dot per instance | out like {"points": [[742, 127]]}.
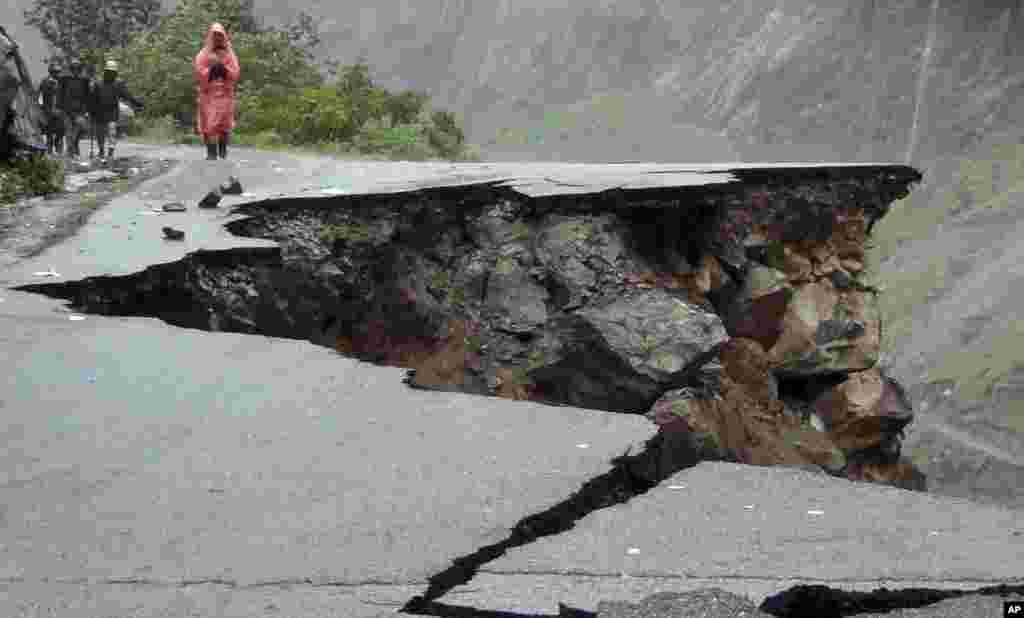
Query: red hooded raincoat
{"points": [[216, 100]]}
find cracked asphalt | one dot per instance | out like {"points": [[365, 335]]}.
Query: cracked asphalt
{"points": [[148, 470]]}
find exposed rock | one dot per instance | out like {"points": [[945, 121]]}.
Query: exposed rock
{"points": [[902, 474], [861, 411], [515, 302], [657, 334], [731, 314], [825, 330], [743, 420]]}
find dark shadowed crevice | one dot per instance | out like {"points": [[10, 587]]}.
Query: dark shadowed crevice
{"points": [[816, 601], [629, 477], [801, 601]]}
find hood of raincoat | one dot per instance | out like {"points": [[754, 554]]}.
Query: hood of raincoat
{"points": [[214, 28]]}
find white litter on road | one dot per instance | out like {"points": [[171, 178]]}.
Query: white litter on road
{"points": [[583, 445], [815, 512], [632, 551], [47, 273], [76, 318], [677, 486]]}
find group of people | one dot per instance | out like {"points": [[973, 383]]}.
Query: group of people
{"points": [[75, 103]]}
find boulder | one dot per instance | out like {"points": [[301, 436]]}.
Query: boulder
{"points": [[743, 420], [515, 302], [901, 473], [862, 411], [584, 256], [825, 330], [655, 333]]}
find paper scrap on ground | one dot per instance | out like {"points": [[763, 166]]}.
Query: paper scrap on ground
{"points": [[47, 273]]}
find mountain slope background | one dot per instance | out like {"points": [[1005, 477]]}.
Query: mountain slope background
{"points": [[935, 83]]}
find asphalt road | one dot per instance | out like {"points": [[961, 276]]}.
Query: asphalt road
{"points": [[148, 470]]}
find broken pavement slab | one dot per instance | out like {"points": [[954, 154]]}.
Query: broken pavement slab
{"points": [[756, 531], [191, 468], [183, 447]]}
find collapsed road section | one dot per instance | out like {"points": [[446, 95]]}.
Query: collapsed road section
{"points": [[733, 311], [728, 303]]}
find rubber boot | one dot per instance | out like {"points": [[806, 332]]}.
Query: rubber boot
{"points": [[211, 152]]}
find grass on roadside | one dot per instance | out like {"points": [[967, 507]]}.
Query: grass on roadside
{"points": [[30, 176], [977, 369], [992, 182], [405, 143]]}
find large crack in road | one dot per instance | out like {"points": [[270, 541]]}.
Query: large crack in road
{"points": [[204, 291]]}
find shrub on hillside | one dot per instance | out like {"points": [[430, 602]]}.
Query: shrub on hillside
{"points": [[25, 176], [282, 97]]}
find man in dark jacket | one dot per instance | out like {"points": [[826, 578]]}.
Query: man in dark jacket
{"points": [[106, 96], [73, 99], [48, 90]]}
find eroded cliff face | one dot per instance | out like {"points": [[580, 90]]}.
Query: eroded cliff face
{"points": [[734, 315]]}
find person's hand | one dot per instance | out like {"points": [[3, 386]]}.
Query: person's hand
{"points": [[218, 71]]}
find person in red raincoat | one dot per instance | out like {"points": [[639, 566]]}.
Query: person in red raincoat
{"points": [[215, 70]]}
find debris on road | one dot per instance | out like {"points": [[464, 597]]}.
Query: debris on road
{"points": [[231, 187], [174, 207], [211, 200], [172, 234], [47, 273]]}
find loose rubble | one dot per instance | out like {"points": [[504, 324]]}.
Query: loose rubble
{"points": [[735, 315]]}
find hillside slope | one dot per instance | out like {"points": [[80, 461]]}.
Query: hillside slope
{"points": [[936, 83]]}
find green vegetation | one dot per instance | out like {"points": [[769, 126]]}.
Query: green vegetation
{"points": [[574, 231], [440, 281], [977, 369], [519, 231], [285, 99], [994, 181], [29, 176], [505, 265], [456, 295], [474, 344], [351, 233]]}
